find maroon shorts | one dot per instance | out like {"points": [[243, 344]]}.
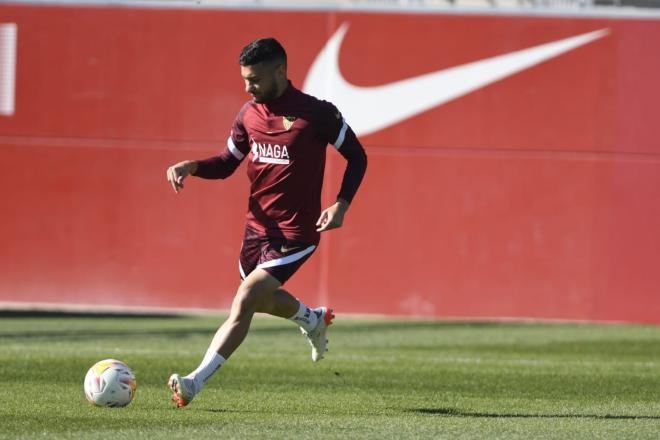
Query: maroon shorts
{"points": [[278, 256]]}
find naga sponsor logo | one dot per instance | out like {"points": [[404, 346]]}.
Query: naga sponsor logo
{"points": [[269, 153]]}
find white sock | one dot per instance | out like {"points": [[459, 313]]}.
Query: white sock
{"points": [[211, 362], [306, 318]]}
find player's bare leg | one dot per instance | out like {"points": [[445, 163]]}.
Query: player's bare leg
{"points": [[255, 292], [283, 304], [259, 292], [313, 322]]}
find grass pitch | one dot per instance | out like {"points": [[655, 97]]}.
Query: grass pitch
{"points": [[381, 379]]}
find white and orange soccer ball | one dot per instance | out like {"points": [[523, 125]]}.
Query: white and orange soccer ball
{"points": [[110, 383]]}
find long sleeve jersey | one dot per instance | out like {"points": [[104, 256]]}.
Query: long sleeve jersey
{"points": [[284, 142]]}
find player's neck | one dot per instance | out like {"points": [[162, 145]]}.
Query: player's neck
{"points": [[281, 88]]}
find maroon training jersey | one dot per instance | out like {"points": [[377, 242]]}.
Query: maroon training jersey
{"points": [[284, 143]]}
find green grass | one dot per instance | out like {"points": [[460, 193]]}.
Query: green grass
{"points": [[381, 379]]}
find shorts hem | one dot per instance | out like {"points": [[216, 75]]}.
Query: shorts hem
{"points": [[286, 260]]}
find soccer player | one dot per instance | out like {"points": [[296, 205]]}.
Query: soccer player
{"points": [[282, 134]]}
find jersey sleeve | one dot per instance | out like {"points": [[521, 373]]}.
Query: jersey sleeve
{"points": [[337, 132], [238, 142], [332, 125], [356, 158], [224, 164]]}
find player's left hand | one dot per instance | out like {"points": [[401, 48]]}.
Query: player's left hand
{"points": [[333, 217]]}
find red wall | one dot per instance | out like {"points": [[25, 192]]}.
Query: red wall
{"points": [[535, 196]]}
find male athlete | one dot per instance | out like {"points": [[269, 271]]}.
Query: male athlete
{"points": [[282, 133]]}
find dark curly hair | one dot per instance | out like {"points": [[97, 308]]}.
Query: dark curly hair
{"points": [[262, 50]]}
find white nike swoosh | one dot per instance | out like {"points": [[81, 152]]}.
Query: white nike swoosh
{"points": [[370, 109]]}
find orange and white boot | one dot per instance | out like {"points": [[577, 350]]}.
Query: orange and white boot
{"points": [[183, 389], [317, 337]]}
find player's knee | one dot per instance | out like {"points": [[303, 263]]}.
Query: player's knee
{"points": [[244, 301], [248, 299]]}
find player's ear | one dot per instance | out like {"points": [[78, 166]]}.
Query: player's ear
{"points": [[280, 70]]}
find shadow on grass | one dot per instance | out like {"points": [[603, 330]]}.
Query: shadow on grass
{"points": [[228, 411], [122, 329], [66, 314], [343, 326], [453, 412], [92, 332], [352, 326], [82, 334]]}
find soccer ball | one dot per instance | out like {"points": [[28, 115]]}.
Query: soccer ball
{"points": [[110, 383]]}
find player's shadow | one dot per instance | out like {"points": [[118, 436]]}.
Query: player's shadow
{"points": [[453, 412]]}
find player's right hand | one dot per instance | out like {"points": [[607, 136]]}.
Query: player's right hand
{"points": [[177, 172]]}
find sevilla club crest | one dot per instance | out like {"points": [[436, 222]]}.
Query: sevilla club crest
{"points": [[288, 122]]}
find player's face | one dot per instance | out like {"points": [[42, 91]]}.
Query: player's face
{"points": [[261, 81]]}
